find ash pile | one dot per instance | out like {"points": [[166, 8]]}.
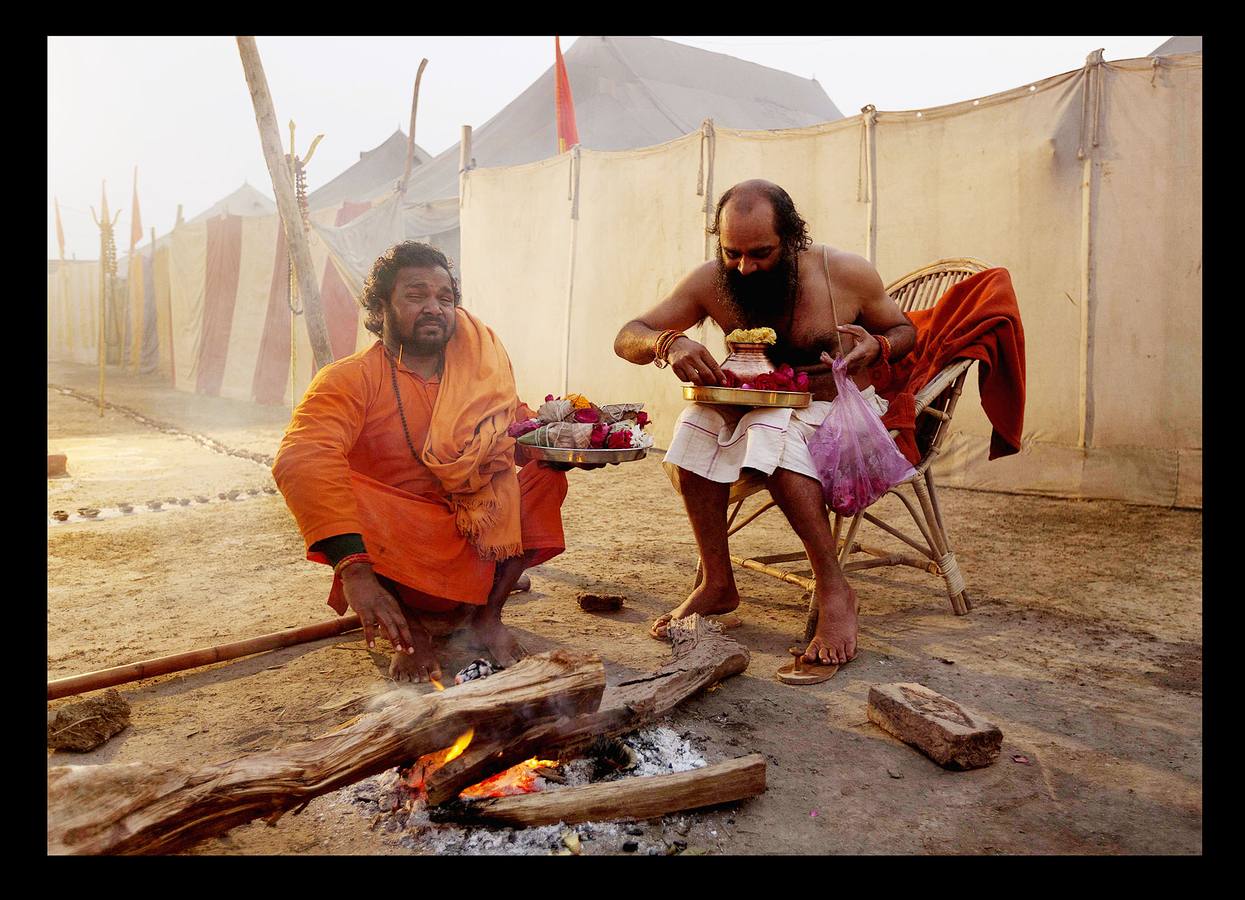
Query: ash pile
{"points": [[401, 815]]}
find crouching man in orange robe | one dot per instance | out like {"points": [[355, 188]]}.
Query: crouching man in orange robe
{"points": [[400, 474]]}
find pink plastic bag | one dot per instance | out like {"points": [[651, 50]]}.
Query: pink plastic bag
{"points": [[855, 457]]}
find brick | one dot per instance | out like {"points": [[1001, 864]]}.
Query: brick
{"points": [[56, 464], [950, 734]]}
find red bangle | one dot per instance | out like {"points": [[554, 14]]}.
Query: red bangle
{"points": [[351, 560], [886, 347]]}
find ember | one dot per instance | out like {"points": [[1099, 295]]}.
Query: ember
{"points": [[524, 778], [521, 779]]}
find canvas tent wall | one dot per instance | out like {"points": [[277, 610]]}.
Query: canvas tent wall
{"points": [[1086, 186], [630, 92]]}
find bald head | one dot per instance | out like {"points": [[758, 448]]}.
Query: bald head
{"points": [[756, 213], [744, 197]]}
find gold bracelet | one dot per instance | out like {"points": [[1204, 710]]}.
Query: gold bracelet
{"points": [[664, 342], [659, 355]]}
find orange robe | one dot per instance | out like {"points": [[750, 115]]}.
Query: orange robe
{"points": [[344, 466]]}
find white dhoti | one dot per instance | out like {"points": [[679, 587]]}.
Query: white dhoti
{"points": [[742, 447]]}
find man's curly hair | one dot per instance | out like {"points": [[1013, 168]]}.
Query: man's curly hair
{"points": [[379, 286], [792, 229]]}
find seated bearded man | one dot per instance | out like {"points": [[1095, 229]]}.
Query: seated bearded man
{"points": [[768, 273], [400, 474]]}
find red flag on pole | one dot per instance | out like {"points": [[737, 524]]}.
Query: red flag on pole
{"points": [[563, 102], [136, 227], [60, 234]]}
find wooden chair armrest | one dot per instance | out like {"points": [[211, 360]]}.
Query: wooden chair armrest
{"points": [[940, 383]]}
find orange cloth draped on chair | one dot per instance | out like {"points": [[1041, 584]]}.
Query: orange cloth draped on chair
{"points": [[438, 521], [975, 319]]}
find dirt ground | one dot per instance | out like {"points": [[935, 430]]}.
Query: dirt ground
{"points": [[1085, 646]]}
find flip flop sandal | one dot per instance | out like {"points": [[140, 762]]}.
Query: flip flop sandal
{"points": [[725, 621], [799, 672]]}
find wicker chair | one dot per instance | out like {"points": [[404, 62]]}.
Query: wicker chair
{"points": [[935, 405]]}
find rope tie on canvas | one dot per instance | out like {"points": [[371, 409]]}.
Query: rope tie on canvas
{"points": [[868, 116], [1092, 83], [951, 571], [573, 184], [704, 185]]}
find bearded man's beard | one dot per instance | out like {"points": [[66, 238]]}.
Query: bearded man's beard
{"points": [[427, 346], [762, 298], [421, 344]]}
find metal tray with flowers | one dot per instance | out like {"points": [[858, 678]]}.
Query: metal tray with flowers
{"points": [[565, 430], [704, 393], [576, 456]]}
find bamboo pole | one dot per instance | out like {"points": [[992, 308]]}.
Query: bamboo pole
{"points": [[103, 287], [287, 203], [193, 659], [410, 137]]}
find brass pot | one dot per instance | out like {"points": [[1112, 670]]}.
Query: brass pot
{"points": [[747, 360]]}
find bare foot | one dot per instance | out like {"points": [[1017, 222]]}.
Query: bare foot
{"points": [[834, 642], [421, 665], [703, 600], [499, 640]]}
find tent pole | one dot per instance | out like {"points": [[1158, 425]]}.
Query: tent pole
{"points": [[287, 203], [570, 273], [870, 114], [1092, 86]]}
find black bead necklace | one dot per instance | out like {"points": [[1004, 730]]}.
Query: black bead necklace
{"points": [[397, 395]]}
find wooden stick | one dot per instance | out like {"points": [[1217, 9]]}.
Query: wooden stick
{"points": [[145, 808], [702, 656], [410, 138], [287, 203], [192, 659], [627, 799]]}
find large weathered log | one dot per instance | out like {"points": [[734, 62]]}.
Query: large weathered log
{"points": [[703, 656], [144, 808], [628, 799]]}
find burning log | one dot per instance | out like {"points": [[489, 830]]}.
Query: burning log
{"points": [[703, 656], [143, 808], [628, 799]]}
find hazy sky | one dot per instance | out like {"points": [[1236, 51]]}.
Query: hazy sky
{"points": [[179, 109]]}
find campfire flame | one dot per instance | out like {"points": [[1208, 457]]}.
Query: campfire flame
{"points": [[457, 748], [520, 779]]}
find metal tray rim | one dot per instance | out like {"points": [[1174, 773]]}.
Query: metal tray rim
{"points": [[740, 397]]}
